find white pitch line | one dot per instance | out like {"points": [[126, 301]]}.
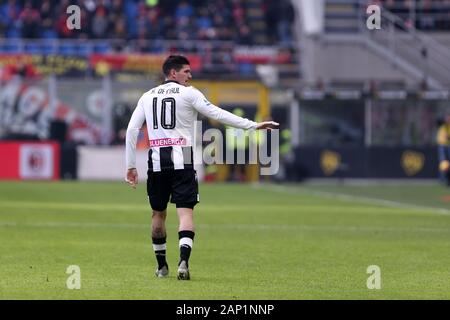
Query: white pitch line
{"points": [[72, 206], [68, 224], [351, 198], [263, 227]]}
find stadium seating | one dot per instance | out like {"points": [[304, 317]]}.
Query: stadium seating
{"points": [[210, 28], [428, 15], [210, 20]]}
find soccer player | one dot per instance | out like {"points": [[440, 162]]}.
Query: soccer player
{"points": [[443, 142], [170, 111]]}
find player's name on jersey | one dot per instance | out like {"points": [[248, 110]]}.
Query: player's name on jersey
{"points": [[167, 91]]}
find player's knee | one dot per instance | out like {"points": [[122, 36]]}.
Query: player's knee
{"points": [[159, 214]]}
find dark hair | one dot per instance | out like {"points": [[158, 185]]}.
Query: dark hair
{"points": [[174, 62]]}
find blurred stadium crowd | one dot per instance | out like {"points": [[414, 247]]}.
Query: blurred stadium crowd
{"points": [[152, 19]]}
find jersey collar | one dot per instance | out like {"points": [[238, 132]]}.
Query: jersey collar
{"points": [[168, 81]]}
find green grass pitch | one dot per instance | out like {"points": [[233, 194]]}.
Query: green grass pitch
{"points": [[252, 242]]}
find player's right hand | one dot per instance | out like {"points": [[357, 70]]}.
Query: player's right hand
{"points": [[132, 177]]}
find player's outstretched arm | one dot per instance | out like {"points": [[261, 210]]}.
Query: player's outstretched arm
{"points": [[202, 105], [267, 125], [132, 177]]}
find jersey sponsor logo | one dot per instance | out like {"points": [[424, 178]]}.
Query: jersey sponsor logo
{"points": [[167, 142]]}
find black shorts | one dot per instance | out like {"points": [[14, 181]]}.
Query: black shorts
{"points": [[181, 186]]}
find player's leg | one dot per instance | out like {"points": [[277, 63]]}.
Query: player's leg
{"points": [[159, 241], [158, 191], [186, 219], [186, 235], [185, 196]]}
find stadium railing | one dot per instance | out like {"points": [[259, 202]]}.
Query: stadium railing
{"points": [[219, 59], [400, 38], [343, 15]]}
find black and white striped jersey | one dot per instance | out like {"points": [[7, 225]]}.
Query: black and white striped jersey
{"points": [[170, 111]]}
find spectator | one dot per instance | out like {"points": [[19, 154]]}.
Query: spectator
{"points": [[141, 21], [116, 21], [244, 35], [286, 20], [238, 12], [271, 16], [203, 20], [120, 29], [61, 23], [169, 28], [142, 44], [184, 10], [100, 23], [85, 31], [223, 30], [206, 30], [9, 17], [47, 20], [186, 28], [30, 20], [154, 23]]}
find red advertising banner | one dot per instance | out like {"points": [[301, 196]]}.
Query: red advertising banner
{"points": [[9, 160], [29, 160], [35, 65], [136, 62]]}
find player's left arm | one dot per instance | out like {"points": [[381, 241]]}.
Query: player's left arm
{"points": [[202, 105], [135, 124]]}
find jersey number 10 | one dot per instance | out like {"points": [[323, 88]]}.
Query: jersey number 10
{"points": [[165, 123]]}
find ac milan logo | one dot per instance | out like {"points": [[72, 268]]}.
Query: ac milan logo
{"points": [[36, 161]]}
